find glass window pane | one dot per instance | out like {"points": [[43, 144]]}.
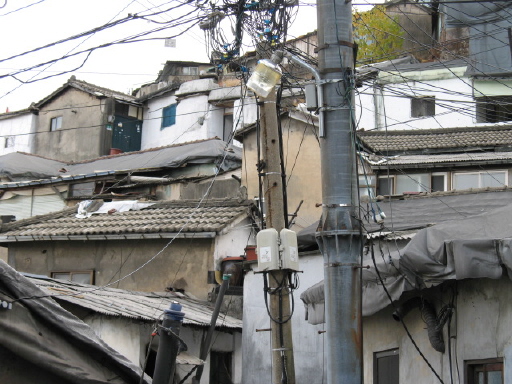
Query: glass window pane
{"points": [[494, 377], [438, 183], [83, 278], [61, 276], [413, 183], [465, 180], [385, 186], [493, 179]]}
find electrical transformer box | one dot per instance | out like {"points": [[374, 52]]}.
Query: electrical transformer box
{"points": [[290, 250], [267, 249]]}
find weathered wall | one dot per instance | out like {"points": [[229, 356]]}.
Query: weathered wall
{"points": [[183, 264], [83, 127], [307, 342], [302, 159], [222, 342], [480, 328], [15, 133]]}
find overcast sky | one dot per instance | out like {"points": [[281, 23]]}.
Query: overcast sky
{"points": [[120, 67]]}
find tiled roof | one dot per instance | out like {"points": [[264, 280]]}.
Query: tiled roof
{"points": [[437, 139], [131, 304], [161, 220], [92, 89]]}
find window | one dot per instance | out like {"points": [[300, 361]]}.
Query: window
{"points": [[220, 367], [55, 123], [82, 189], [419, 182], [82, 277], [169, 116], [493, 109], [192, 71], [9, 141], [386, 367], [488, 371], [467, 180], [386, 185], [366, 185], [439, 182], [423, 106]]}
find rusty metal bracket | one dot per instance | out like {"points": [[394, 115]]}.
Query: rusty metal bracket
{"points": [[340, 42]]}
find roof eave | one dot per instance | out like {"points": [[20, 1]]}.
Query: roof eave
{"points": [[130, 236]]}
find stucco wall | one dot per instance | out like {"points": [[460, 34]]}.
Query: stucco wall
{"points": [[15, 133], [83, 128], [307, 342], [196, 119], [183, 264], [303, 175], [454, 102]]}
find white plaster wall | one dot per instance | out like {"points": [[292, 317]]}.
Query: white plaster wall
{"points": [[245, 113], [152, 135], [454, 104], [121, 334], [196, 119], [20, 127], [307, 342], [233, 240]]}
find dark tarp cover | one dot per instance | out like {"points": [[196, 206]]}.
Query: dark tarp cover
{"points": [[476, 247], [44, 343]]}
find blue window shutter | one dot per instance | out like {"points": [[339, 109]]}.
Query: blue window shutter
{"points": [[169, 116]]}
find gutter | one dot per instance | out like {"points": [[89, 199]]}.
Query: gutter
{"points": [[135, 236]]}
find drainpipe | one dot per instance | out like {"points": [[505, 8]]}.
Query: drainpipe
{"points": [[168, 348], [206, 345]]}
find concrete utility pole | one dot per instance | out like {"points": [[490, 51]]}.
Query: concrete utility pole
{"points": [[339, 237], [283, 366]]}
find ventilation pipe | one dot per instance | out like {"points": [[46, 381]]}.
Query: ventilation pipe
{"points": [[428, 312]]}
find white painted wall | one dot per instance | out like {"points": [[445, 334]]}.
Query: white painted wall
{"points": [[390, 104], [120, 333], [196, 119], [308, 343], [19, 128]]}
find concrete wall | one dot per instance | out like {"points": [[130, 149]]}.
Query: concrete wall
{"points": [[183, 264], [196, 118], [302, 159], [307, 342], [83, 127], [15, 133], [389, 103]]}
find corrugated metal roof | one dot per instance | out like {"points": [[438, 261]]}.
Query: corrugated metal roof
{"points": [[132, 304], [444, 158], [160, 218]]}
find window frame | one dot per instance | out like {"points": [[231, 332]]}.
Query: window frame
{"points": [[170, 119], [10, 141], [479, 174], [393, 186], [71, 272], [383, 354], [57, 125], [471, 366], [423, 106]]}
